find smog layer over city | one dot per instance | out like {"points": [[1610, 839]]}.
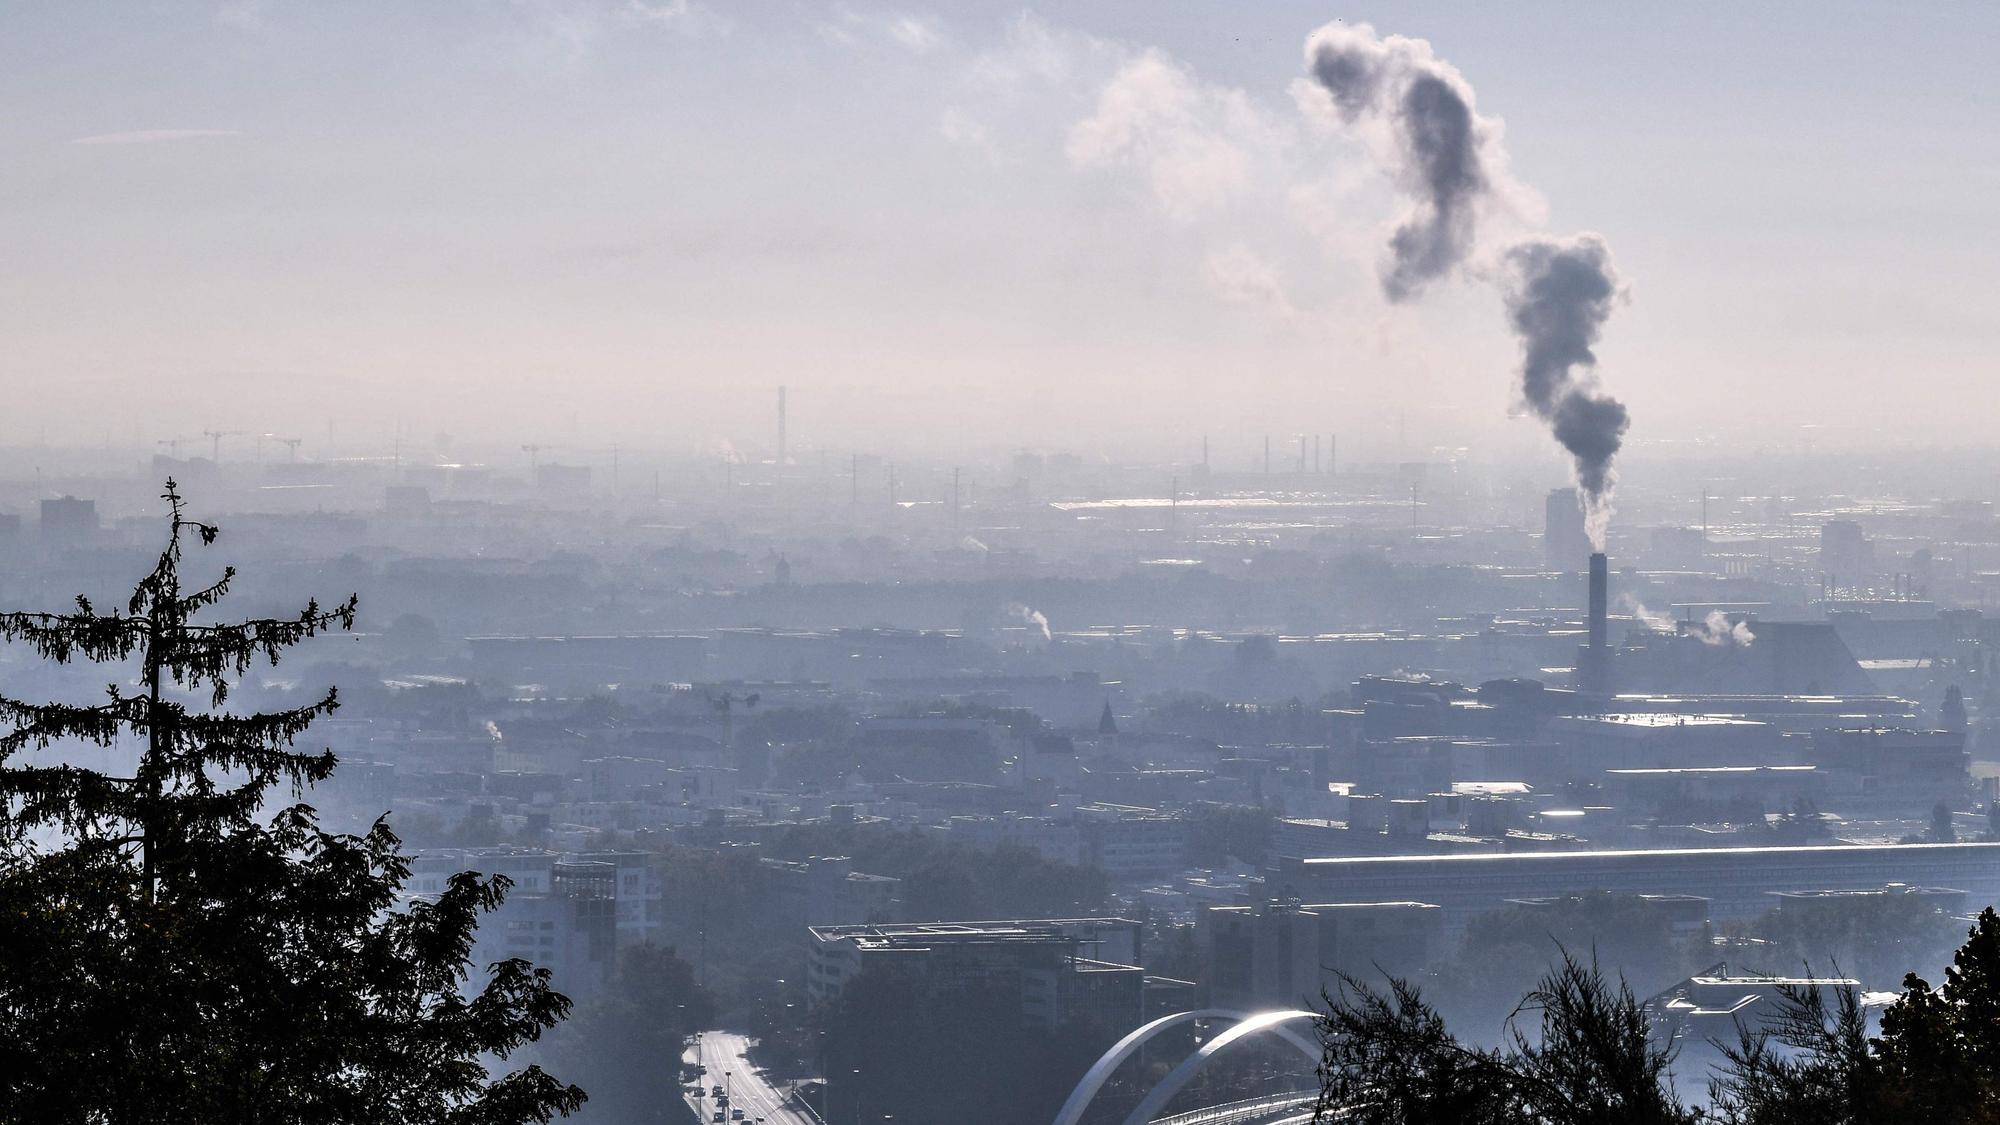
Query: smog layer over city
{"points": [[652, 562]]}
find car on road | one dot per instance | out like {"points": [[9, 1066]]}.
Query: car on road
{"points": [[736, 1115], [719, 1116], [716, 1091]]}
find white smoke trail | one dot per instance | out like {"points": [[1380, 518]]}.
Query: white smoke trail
{"points": [[1716, 629], [1032, 617], [1656, 621]]}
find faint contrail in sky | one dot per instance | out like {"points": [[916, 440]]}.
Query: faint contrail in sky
{"points": [[153, 136]]}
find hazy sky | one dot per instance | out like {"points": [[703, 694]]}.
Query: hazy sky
{"points": [[1112, 222]]}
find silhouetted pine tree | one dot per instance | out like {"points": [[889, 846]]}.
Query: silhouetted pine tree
{"points": [[172, 951]]}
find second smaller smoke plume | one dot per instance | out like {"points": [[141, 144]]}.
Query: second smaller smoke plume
{"points": [[1716, 629], [1031, 617]]}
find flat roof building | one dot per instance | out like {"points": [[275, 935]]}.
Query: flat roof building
{"points": [[1057, 969], [1737, 881]]}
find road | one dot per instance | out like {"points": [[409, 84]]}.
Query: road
{"points": [[722, 1052]]}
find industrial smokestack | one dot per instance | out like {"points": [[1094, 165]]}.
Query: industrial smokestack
{"points": [[1593, 661], [781, 425], [1599, 583]]}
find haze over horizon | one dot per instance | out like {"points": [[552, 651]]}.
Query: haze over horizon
{"points": [[965, 225]]}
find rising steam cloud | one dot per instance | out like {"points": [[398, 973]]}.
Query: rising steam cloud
{"points": [[1032, 618], [1558, 295], [1717, 630], [1448, 161]]}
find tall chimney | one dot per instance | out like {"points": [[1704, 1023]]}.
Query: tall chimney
{"points": [[781, 425], [1593, 661], [1599, 580]]}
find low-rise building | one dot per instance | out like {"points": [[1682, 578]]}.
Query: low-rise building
{"points": [[1737, 881], [1057, 970], [1285, 953]]}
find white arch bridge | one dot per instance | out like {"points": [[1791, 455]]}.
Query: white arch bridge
{"points": [[1282, 1024]]}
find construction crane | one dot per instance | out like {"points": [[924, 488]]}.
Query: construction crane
{"points": [[215, 442], [726, 703], [534, 453], [291, 444], [173, 446]]}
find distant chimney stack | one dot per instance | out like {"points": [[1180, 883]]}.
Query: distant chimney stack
{"points": [[1599, 597], [781, 425], [1593, 662]]}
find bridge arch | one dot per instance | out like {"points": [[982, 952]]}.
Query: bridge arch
{"points": [[1273, 1022], [1100, 1071]]}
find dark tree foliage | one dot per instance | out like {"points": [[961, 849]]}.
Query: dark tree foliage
{"points": [[1388, 1059], [1590, 1060], [1810, 1065], [1220, 833], [1936, 1059], [1943, 830], [1583, 1056], [168, 953]]}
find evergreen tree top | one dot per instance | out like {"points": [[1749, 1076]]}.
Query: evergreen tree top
{"points": [[171, 950]]}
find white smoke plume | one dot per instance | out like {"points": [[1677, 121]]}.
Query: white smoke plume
{"points": [[1031, 617], [1716, 629], [1655, 620]]}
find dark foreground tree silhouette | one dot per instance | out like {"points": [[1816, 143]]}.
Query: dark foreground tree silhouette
{"points": [[1936, 1059], [1388, 1059], [173, 951]]}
